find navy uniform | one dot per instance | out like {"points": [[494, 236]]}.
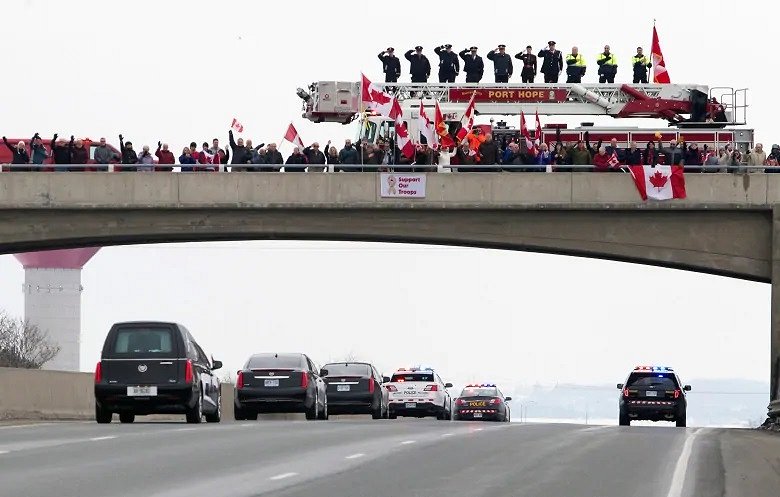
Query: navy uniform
{"points": [[640, 64], [502, 64], [420, 67], [553, 63], [391, 66], [529, 65], [449, 66], [607, 66], [473, 65]]}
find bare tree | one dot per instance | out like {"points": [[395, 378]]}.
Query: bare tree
{"points": [[24, 345]]}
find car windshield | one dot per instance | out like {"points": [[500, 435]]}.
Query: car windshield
{"points": [[275, 361], [346, 369], [143, 341], [412, 377], [651, 380], [479, 392]]}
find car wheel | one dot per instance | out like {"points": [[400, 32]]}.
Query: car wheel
{"points": [[216, 416], [238, 412], [195, 413], [378, 412], [126, 417], [311, 413], [392, 415], [324, 413], [251, 416], [102, 416], [681, 421], [623, 419]]}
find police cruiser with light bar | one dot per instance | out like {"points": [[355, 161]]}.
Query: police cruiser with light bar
{"points": [[419, 392], [653, 393], [482, 402]]}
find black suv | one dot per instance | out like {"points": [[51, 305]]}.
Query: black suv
{"points": [[355, 388], [653, 393], [151, 367]]}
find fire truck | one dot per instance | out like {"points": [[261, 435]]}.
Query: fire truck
{"points": [[694, 113]]}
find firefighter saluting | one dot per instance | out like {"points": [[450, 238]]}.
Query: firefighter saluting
{"points": [[641, 65], [449, 67], [391, 66], [502, 64], [553, 63], [420, 67], [607, 66], [529, 65], [473, 65]]}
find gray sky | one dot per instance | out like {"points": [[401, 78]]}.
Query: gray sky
{"points": [[180, 71]]}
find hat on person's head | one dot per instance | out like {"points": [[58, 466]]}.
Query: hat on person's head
{"points": [[528, 46], [448, 45], [390, 49], [473, 48], [775, 145], [418, 47], [502, 46], [551, 43]]}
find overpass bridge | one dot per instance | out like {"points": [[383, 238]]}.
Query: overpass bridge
{"points": [[729, 225]]}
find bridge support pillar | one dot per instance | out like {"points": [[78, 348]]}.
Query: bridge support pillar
{"points": [[774, 394]]}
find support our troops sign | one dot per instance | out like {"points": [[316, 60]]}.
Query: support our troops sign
{"points": [[399, 185]]}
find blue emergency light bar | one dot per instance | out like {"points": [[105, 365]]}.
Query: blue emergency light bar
{"points": [[654, 369]]}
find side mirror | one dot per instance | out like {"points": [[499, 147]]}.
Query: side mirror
{"points": [[687, 388], [215, 364], [507, 399], [323, 372], [620, 386], [448, 385], [385, 379]]}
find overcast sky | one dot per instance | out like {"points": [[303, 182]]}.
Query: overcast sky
{"points": [[180, 71]]}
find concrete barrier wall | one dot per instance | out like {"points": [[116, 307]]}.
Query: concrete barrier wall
{"points": [[36, 394]]}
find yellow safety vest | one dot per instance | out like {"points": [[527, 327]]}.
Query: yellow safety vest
{"points": [[609, 60], [578, 59], [639, 60]]}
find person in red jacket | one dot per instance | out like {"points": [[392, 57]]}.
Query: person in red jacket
{"points": [[164, 157], [601, 160]]}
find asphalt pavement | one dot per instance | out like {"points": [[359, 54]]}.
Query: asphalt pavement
{"points": [[358, 457]]}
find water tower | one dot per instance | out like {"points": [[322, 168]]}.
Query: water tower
{"points": [[52, 299]]}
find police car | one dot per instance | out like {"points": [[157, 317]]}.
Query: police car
{"points": [[419, 392], [653, 393], [482, 402]]}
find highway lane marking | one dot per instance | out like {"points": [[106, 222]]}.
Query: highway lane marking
{"points": [[597, 428], [355, 456], [446, 434], [678, 477], [407, 442], [3, 452], [478, 429], [282, 476], [32, 425], [185, 429], [97, 439]]}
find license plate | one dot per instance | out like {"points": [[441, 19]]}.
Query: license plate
{"points": [[651, 393], [271, 383], [142, 391], [477, 414], [342, 388], [411, 405]]}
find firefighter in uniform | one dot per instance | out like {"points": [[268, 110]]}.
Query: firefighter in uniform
{"points": [[641, 65], [553, 63], [575, 66], [529, 64], [607, 66], [502, 64], [473, 65], [449, 66], [420, 68], [391, 66]]}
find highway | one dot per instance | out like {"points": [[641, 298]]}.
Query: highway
{"points": [[357, 457]]}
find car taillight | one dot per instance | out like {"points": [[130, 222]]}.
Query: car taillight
{"points": [[99, 372], [188, 371], [677, 393], [432, 388], [391, 388], [459, 402], [240, 380], [304, 379], [495, 400], [625, 392], [370, 385]]}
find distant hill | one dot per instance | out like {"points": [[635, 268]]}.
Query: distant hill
{"points": [[723, 402]]}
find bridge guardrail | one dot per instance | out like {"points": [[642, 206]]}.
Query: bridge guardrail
{"points": [[774, 409]]}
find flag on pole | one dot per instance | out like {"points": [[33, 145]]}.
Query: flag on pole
{"points": [[524, 132], [538, 133], [613, 160], [427, 129], [402, 140], [237, 126], [467, 121], [445, 140], [293, 137], [659, 182], [660, 74], [375, 98]]}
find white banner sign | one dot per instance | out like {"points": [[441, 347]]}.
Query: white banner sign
{"points": [[402, 185]]}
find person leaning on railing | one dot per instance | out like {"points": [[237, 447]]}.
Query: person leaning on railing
{"points": [[20, 155]]}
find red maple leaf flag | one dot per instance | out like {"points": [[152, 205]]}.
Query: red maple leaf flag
{"points": [[292, 136], [374, 98], [467, 121], [237, 126], [613, 160], [445, 140], [659, 182], [427, 128], [660, 74]]}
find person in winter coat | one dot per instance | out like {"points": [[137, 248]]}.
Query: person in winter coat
{"points": [[186, 160], [104, 155], [332, 158], [165, 158], [445, 158], [756, 158], [296, 158], [473, 65], [348, 155], [146, 159], [650, 157], [581, 156], [79, 154], [391, 66], [20, 155], [693, 158], [449, 66], [601, 160], [489, 153], [632, 155], [674, 154], [273, 156], [315, 156], [128, 154], [543, 158], [502, 64], [60, 152], [420, 67], [38, 151], [552, 64], [773, 160], [241, 153]]}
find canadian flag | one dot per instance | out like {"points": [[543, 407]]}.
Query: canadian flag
{"points": [[237, 126], [613, 160], [375, 98], [467, 121], [538, 140], [659, 182], [524, 132], [293, 137], [402, 140], [427, 129], [445, 140], [660, 74]]}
